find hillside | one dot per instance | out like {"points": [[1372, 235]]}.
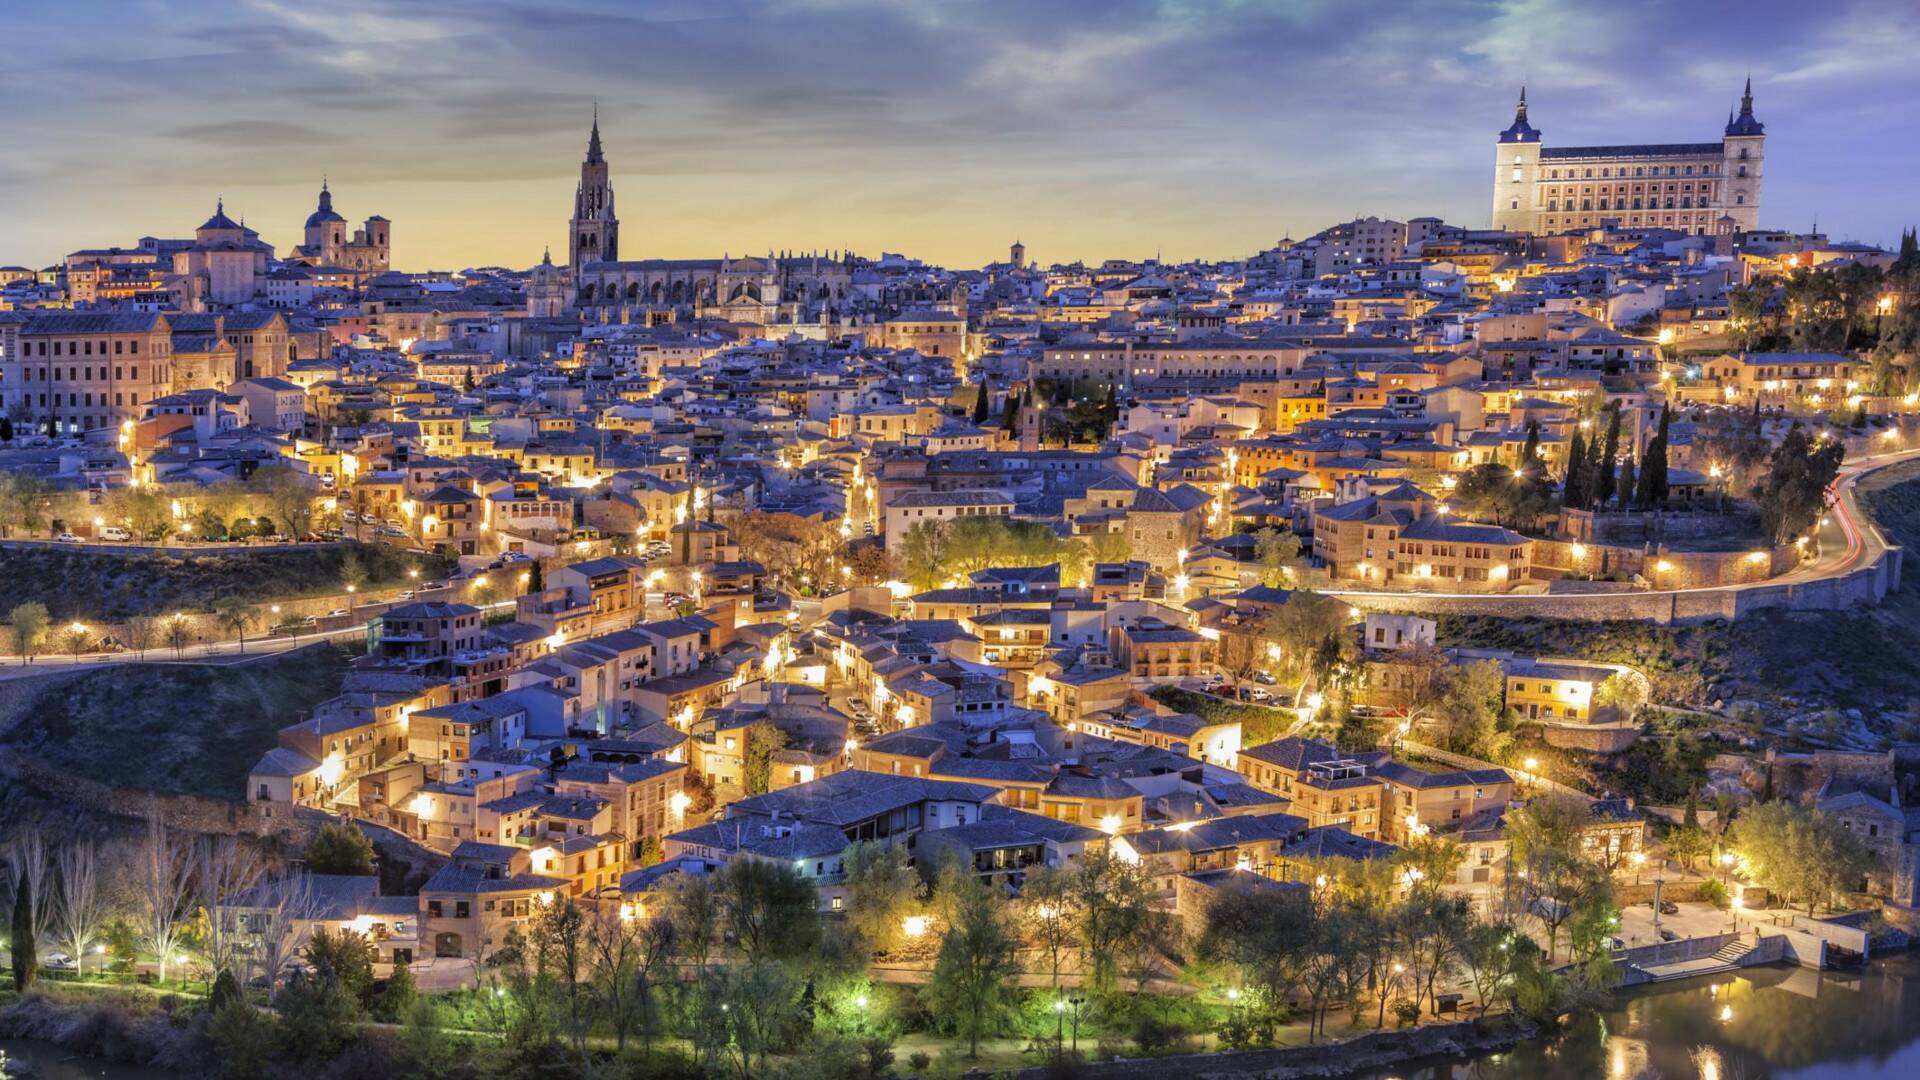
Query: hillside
{"points": [[1812, 667], [185, 728], [100, 583]]}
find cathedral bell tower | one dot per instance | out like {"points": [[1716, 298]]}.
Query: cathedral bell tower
{"points": [[1743, 150], [1516, 169], [594, 233]]}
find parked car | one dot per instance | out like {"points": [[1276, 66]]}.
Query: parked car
{"points": [[1668, 907], [1668, 935], [392, 530], [59, 961], [338, 613], [406, 594], [114, 533], [67, 538], [349, 516], [434, 585], [513, 557]]}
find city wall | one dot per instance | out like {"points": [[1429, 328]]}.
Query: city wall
{"points": [[1867, 585]]}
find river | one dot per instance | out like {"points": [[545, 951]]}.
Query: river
{"points": [[45, 1061], [1772, 1023]]}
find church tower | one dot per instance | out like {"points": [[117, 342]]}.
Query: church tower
{"points": [[1516, 167], [1743, 148], [594, 233]]}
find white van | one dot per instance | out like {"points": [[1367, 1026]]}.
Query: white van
{"points": [[113, 533]]}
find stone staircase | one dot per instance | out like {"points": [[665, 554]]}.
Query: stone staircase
{"points": [[1733, 951]]}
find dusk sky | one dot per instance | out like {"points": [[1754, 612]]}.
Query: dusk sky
{"points": [[941, 130]]}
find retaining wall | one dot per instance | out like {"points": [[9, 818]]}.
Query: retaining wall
{"points": [[1867, 585]]}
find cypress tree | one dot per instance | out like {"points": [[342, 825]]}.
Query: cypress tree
{"points": [[980, 404], [1012, 415], [1571, 495], [26, 961], [1660, 473], [1626, 481], [1530, 451], [1603, 468]]}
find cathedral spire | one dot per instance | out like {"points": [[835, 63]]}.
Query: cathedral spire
{"points": [[1745, 123], [1520, 130], [593, 141]]}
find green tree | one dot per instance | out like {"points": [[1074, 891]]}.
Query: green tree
{"points": [[246, 1040], [924, 554], [1605, 478], [770, 908], [25, 952], [339, 848], [1114, 905], [1572, 490], [763, 741], [29, 623], [980, 399], [882, 890], [1263, 937], [1558, 881], [1470, 700], [1279, 556], [1793, 494], [1800, 853], [345, 957], [1493, 491], [397, 999], [969, 984]]}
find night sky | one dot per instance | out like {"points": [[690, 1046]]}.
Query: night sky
{"points": [[944, 131]]}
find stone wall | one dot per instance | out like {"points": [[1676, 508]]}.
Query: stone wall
{"points": [[1595, 738], [191, 813], [1868, 585]]}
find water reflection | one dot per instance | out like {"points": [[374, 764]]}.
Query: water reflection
{"points": [[1778, 1023]]}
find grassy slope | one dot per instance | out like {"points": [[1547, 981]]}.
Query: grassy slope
{"points": [[187, 728], [102, 584]]}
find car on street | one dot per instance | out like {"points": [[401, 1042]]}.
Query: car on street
{"points": [[59, 961], [67, 538], [513, 557], [1668, 907], [338, 612]]}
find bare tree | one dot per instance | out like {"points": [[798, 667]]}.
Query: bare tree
{"points": [[227, 867], [279, 923], [162, 867], [84, 902], [27, 853]]}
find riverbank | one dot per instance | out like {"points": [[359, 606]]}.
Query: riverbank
{"points": [[1378, 1050]]}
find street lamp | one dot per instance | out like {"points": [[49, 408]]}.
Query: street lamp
{"points": [[1639, 864]]}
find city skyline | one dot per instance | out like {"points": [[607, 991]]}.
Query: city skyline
{"points": [[848, 125]]}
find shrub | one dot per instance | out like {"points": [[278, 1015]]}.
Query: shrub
{"points": [[1714, 893], [226, 991], [1156, 1036], [1407, 1012], [397, 996], [244, 1038], [919, 1061]]}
